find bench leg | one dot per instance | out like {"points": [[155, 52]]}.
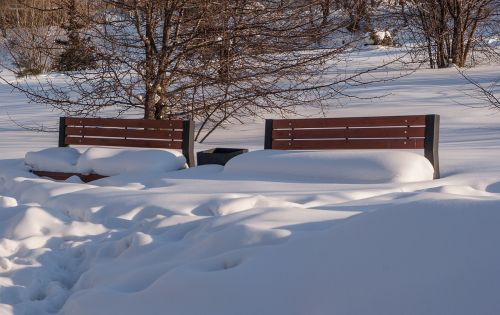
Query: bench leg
{"points": [[431, 143]]}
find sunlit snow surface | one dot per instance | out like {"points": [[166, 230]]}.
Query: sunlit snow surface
{"points": [[208, 241]]}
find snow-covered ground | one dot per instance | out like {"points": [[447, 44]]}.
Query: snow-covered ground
{"points": [[210, 241]]}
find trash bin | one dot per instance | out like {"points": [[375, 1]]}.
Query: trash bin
{"points": [[218, 155]]}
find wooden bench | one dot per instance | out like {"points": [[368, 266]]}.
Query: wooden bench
{"points": [[167, 134], [386, 132]]}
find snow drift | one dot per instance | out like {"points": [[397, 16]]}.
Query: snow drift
{"points": [[334, 166], [398, 260]]}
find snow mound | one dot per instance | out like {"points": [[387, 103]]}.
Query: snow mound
{"points": [[334, 166], [7, 202], [114, 161], [105, 161], [53, 159], [28, 222]]}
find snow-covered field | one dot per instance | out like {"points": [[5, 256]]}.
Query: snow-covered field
{"points": [[208, 240]]}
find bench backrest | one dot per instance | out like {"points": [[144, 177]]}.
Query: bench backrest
{"points": [[385, 132], [167, 134]]}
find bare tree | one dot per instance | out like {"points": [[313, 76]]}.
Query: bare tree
{"points": [[449, 28], [29, 36], [212, 61]]}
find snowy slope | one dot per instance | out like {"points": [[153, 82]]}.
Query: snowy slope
{"points": [[208, 241]]}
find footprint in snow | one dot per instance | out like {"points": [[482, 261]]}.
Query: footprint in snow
{"points": [[221, 263], [5, 264]]}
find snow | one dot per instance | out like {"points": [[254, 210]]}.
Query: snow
{"points": [[105, 161], [329, 166], [115, 161], [6, 202], [53, 159], [209, 240], [334, 166], [358, 267]]}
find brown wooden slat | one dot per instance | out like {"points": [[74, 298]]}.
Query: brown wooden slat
{"points": [[64, 176], [396, 132], [348, 144], [124, 142], [134, 123], [122, 133], [349, 122]]}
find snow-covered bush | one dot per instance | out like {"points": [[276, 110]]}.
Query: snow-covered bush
{"points": [[382, 38]]}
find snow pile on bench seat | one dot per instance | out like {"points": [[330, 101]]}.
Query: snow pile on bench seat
{"points": [[105, 161], [334, 166], [115, 161], [53, 160]]}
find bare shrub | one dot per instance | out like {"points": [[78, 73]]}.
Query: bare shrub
{"points": [[450, 29]]}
